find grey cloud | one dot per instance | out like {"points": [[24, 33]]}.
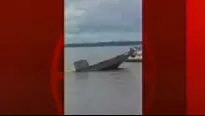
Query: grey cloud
{"points": [[117, 16]]}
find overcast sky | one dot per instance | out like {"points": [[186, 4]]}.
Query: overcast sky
{"points": [[102, 20]]}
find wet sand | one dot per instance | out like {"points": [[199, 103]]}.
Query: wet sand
{"points": [[116, 92]]}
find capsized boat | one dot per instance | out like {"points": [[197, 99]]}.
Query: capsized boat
{"points": [[110, 64]]}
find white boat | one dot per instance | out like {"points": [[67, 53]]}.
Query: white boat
{"points": [[136, 57]]}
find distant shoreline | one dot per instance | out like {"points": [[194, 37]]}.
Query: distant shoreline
{"points": [[102, 44]]}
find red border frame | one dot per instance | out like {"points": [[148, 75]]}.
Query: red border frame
{"points": [[195, 57], [164, 57], [29, 32]]}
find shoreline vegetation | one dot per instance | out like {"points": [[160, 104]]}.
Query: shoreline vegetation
{"points": [[101, 44]]}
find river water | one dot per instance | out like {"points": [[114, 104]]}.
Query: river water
{"points": [[116, 92]]}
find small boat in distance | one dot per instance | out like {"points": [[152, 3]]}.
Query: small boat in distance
{"points": [[134, 59], [136, 56], [110, 64]]}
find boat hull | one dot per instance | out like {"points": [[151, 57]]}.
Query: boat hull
{"points": [[109, 64]]}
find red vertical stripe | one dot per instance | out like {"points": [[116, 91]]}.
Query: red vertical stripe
{"points": [[195, 57], [164, 57], [29, 30]]}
